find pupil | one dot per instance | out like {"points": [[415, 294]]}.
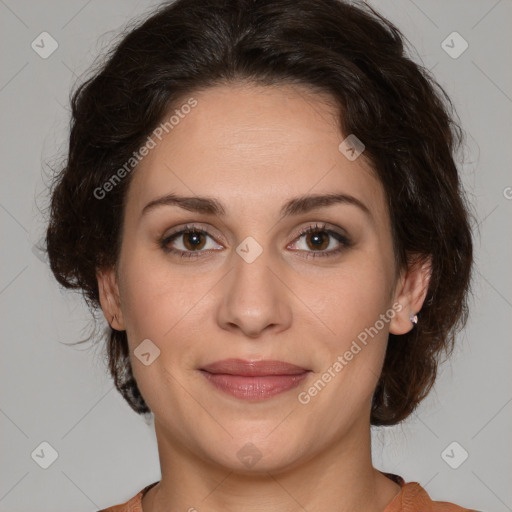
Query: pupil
{"points": [[318, 240], [194, 239]]}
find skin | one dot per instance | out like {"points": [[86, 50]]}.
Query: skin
{"points": [[253, 148]]}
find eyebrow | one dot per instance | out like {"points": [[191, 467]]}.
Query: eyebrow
{"points": [[295, 206]]}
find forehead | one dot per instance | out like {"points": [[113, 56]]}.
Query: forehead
{"points": [[253, 147]]}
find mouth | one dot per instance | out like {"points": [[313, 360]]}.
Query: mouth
{"points": [[254, 380]]}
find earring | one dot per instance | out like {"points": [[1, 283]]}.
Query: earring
{"points": [[414, 319]]}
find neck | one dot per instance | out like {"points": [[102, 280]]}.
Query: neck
{"points": [[340, 478]]}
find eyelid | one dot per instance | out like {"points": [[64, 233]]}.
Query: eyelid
{"points": [[321, 226], [191, 227]]}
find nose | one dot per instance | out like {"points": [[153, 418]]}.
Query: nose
{"points": [[255, 298]]}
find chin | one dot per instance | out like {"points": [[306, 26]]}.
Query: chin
{"points": [[256, 454]]}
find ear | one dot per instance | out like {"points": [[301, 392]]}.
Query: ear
{"points": [[110, 298], [410, 293]]}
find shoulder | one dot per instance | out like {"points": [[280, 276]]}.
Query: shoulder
{"points": [[132, 505], [413, 498]]}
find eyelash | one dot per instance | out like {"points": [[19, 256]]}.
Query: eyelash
{"points": [[344, 241]]}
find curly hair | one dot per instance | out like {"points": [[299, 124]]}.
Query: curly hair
{"points": [[394, 106]]}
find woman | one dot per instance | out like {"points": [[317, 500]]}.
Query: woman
{"points": [[262, 198]]}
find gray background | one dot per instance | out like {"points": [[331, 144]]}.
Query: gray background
{"points": [[62, 395]]}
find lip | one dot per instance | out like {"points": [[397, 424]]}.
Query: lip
{"points": [[254, 380], [253, 368]]}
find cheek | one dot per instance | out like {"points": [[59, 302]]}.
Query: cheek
{"points": [[153, 298], [358, 315], [354, 297], [356, 308], [159, 306]]}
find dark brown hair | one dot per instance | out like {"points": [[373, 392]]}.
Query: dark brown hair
{"points": [[393, 105]]}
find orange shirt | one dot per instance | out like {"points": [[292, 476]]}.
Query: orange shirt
{"points": [[412, 498]]}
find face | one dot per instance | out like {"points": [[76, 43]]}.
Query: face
{"points": [[249, 282]]}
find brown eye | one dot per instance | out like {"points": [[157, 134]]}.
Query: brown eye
{"points": [[190, 242], [318, 238]]}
